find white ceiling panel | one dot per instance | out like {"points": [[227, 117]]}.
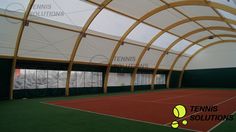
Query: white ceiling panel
{"points": [[95, 49], [234, 26], [185, 28], [14, 7], [71, 12], [165, 40], [180, 63], [111, 23], [210, 23], [47, 42], [9, 29], [228, 38], [199, 35], [223, 32], [192, 50], [143, 33], [227, 14], [130, 7], [209, 41], [170, 17], [194, 11], [167, 61], [97, 1], [231, 3], [181, 45], [127, 55], [150, 58]]}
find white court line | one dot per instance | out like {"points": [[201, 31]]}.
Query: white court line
{"points": [[221, 102], [147, 122]]}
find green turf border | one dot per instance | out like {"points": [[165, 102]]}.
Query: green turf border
{"points": [[226, 126]]}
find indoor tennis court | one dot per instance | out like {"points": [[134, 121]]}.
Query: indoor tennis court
{"points": [[117, 65], [156, 107]]}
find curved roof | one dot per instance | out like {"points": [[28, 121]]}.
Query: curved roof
{"points": [[138, 33]]}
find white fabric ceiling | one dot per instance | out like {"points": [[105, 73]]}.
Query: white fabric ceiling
{"points": [[42, 40]]}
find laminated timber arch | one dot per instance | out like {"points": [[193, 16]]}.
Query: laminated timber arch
{"points": [[178, 40], [182, 52], [155, 11], [189, 60], [18, 40], [80, 37], [167, 29]]}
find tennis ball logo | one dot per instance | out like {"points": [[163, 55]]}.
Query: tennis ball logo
{"points": [[179, 111]]}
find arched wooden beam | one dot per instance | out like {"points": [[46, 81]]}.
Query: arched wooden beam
{"points": [[181, 53], [189, 60], [162, 32], [178, 40], [155, 11], [18, 40], [11, 17], [78, 41]]}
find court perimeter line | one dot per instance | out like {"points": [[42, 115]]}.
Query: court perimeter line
{"points": [[119, 117], [221, 102], [218, 124]]}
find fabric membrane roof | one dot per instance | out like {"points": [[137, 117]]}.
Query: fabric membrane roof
{"points": [[114, 32]]}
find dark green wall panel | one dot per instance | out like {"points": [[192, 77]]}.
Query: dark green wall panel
{"points": [[121, 70], [35, 93], [220, 78], [142, 87], [112, 89], [5, 76], [57, 66], [81, 91], [80, 67], [158, 86], [41, 65], [174, 80]]}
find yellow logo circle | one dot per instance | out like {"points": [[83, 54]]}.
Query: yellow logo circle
{"points": [[179, 111]]}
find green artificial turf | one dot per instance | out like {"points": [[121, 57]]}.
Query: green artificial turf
{"points": [[227, 126], [30, 115]]}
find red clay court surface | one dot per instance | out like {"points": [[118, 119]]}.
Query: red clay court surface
{"points": [[156, 107]]}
